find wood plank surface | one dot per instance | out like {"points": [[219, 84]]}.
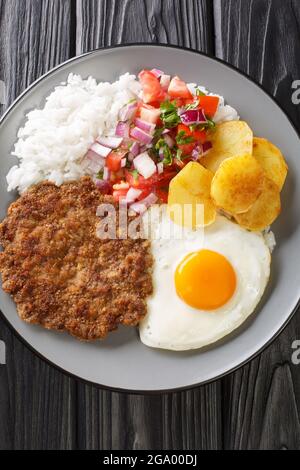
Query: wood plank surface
{"points": [[262, 400], [256, 407], [187, 23], [187, 420], [36, 401]]}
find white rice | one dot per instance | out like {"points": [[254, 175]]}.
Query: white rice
{"points": [[54, 139]]}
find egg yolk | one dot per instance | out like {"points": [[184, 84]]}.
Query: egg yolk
{"points": [[205, 280]]}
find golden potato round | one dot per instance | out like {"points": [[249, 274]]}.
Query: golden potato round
{"points": [[264, 211], [237, 184], [189, 191], [271, 159], [229, 139]]}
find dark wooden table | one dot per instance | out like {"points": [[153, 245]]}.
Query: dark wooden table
{"points": [[256, 407]]}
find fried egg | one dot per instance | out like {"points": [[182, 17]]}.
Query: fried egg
{"points": [[206, 284]]}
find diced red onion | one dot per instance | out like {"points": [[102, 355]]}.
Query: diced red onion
{"points": [[193, 116], [202, 117], [166, 131], [104, 186], [160, 168], [111, 142], [122, 129], [141, 136], [144, 165], [150, 115], [206, 147], [132, 195], [123, 162], [128, 111], [158, 73], [161, 153], [100, 150], [165, 81], [141, 206], [181, 110], [131, 157], [106, 174], [92, 162], [169, 141], [135, 149], [144, 125], [197, 152]]}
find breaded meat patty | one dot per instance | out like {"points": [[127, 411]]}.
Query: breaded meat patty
{"points": [[60, 274]]}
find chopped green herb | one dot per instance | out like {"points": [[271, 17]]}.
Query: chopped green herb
{"points": [[192, 105], [158, 132], [169, 114], [168, 160], [168, 156], [160, 143], [179, 154], [135, 175], [199, 92], [210, 124], [183, 139], [100, 174]]}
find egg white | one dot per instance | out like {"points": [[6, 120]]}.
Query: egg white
{"points": [[170, 322]]}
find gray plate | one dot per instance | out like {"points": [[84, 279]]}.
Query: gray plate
{"points": [[121, 361]]}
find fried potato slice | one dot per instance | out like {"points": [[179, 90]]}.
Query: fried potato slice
{"points": [[229, 139], [237, 184], [264, 211], [271, 159], [190, 202]]}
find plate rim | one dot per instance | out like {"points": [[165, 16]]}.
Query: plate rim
{"points": [[154, 391]]}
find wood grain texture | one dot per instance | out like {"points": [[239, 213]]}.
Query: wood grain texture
{"points": [[36, 401], [188, 420], [108, 22], [261, 402], [257, 406]]}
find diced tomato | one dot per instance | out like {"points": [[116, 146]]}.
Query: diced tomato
{"points": [[155, 181], [189, 101], [121, 185], [152, 90], [185, 129], [187, 149], [119, 194], [156, 104], [180, 102], [144, 193], [198, 136], [113, 161], [166, 178], [178, 163], [149, 114], [179, 89], [209, 104], [162, 195], [132, 178], [120, 190]]}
